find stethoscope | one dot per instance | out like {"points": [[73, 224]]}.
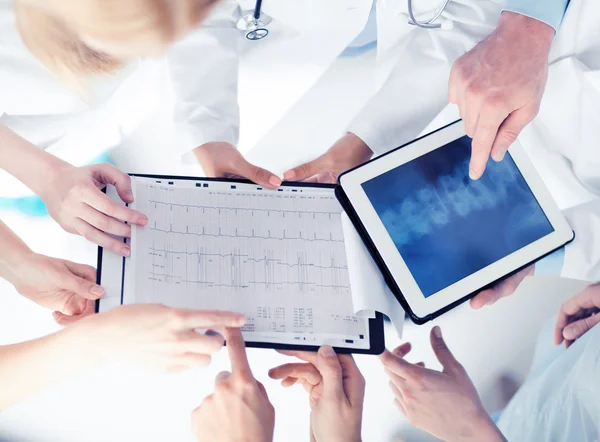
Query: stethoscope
{"points": [[254, 23]]}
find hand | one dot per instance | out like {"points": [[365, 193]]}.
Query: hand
{"points": [[222, 160], [578, 315], [498, 85], [67, 288], [154, 337], [505, 287], [336, 391], [75, 200], [445, 404], [239, 410], [348, 152]]}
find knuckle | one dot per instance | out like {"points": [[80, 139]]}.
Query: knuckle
{"points": [[110, 210], [103, 224], [479, 146], [177, 318], [88, 235], [493, 101], [475, 89], [509, 136]]}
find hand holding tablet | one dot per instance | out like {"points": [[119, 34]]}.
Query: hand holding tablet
{"points": [[438, 236]]}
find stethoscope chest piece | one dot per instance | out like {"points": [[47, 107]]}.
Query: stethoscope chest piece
{"points": [[254, 28]]}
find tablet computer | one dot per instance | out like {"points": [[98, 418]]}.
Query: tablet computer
{"points": [[277, 256], [438, 236]]}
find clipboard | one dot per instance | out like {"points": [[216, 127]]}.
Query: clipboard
{"points": [[113, 270]]}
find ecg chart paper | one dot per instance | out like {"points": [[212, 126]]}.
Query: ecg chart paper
{"points": [[278, 257]]}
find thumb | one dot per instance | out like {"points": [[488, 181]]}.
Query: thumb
{"points": [[79, 279], [307, 170], [329, 366], [256, 174], [577, 329], [509, 131], [441, 350], [109, 174]]}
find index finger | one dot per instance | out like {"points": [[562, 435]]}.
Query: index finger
{"points": [[102, 203], [487, 128], [399, 366], [237, 353]]}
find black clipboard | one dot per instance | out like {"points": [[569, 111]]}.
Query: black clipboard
{"points": [[376, 325], [381, 264]]}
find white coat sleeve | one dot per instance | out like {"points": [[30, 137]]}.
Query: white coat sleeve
{"points": [[582, 256], [407, 102], [203, 70]]}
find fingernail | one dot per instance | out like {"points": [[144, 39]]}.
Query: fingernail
{"points": [[289, 175], [96, 290], [129, 195], [126, 251], [327, 351], [241, 321], [499, 156], [143, 221], [437, 332], [275, 181], [568, 333], [473, 175]]}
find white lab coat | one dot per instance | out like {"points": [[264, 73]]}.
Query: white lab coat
{"points": [[558, 401], [197, 78]]}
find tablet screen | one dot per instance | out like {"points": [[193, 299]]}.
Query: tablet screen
{"points": [[447, 226]]}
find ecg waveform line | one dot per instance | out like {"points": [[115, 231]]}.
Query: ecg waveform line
{"points": [[245, 285], [256, 260], [219, 235], [247, 209]]}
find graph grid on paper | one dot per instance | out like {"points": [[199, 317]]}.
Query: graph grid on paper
{"points": [[277, 257]]}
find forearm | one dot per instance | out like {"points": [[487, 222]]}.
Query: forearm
{"points": [[12, 251], [206, 91], [29, 367], [25, 161]]}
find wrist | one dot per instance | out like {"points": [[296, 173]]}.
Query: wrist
{"points": [[13, 256], [357, 144], [536, 33], [483, 429]]}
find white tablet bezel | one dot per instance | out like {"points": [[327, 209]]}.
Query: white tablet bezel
{"points": [[352, 181]]}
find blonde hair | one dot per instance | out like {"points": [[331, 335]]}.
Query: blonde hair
{"points": [[54, 30]]}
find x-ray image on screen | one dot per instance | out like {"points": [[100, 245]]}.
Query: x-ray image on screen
{"points": [[447, 226]]}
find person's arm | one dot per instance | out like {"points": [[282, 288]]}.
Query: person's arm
{"points": [[67, 288], [153, 337], [550, 12], [29, 367], [29, 164], [203, 71], [73, 195]]}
